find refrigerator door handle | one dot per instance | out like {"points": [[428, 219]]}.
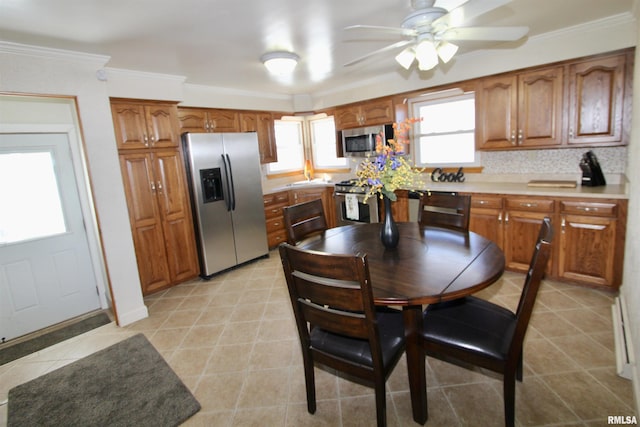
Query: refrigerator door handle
{"points": [[227, 172], [233, 190]]}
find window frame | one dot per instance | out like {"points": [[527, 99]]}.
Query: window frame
{"points": [[443, 97]]}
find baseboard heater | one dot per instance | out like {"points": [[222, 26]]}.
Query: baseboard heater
{"points": [[624, 355]]}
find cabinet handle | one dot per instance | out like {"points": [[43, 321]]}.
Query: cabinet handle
{"points": [[153, 140], [500, 217], [513, 136], [159, 187], [276, 224], [587, 209], [506, 218], [563, 224], [146, 140], [274, 210], [482, 202], [153, 187], [520, 136], [570, 133], [529, 205]]}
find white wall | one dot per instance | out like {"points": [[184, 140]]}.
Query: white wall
{"points": [[44, 71]]}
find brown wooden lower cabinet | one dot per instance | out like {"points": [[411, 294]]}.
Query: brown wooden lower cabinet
{"points": [[160, 217], [588, 247]]}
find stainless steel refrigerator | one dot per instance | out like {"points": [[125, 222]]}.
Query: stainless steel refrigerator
{"points": [[226, 196]]}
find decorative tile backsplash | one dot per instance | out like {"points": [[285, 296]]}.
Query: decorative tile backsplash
{"points": [[612, 160]]}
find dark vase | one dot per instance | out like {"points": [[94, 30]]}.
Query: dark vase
{"points": [[389, 234]]}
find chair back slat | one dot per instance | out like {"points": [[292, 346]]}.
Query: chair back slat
{"points": [[338, 322], [304, 219], [338, 294], [447, 210]]}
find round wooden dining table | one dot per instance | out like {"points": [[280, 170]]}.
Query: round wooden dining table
{"points": [[429, 265]]}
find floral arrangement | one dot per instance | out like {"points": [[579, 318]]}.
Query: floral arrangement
{"points": [[390, 169]]}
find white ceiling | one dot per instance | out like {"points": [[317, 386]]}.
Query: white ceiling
{"points": [[219, 42]]}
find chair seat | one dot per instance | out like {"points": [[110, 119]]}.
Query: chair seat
{"points": [[472, 324], [390, 329]]}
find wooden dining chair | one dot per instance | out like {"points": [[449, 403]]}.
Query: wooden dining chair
{"points": [[337, 322], [304, 219], [477, 332], [449, 210]]}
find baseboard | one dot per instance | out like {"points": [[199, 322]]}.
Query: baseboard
{"points": [[130, 317]]}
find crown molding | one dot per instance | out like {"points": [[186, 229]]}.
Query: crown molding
{"points": [[51, 53]]}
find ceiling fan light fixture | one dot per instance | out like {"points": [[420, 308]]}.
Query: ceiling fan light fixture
{"points": [[446, 51], [406, 57], [280, 63], [426, 55]]}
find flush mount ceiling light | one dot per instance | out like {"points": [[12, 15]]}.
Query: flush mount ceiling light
{"points": [[280, 63]]}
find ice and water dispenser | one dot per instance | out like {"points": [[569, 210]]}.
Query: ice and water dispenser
{"points": [[211, 183]]}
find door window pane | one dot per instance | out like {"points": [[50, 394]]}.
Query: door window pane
{"points": [[30, 205]]}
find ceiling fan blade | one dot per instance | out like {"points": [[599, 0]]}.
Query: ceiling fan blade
{"points": [[381, 29], [485, 33], [467, 11], [376, 52]]}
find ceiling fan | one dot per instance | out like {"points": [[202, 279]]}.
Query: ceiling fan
{"points": [[428, 31]]}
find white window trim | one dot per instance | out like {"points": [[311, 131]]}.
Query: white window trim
{"points": [[448, 95]]}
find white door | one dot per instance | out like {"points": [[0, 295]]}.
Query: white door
{"points": [[46, 273]]}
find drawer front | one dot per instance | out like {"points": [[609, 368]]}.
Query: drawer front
{"points": [[589, 208], [273, 211], [275, 224], [480, 201], [274, 239], [530, 205]]}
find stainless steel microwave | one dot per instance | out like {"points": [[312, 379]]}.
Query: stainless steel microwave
{"points": [[359, 142]]}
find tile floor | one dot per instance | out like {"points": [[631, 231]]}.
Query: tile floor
{"points": [[233, 342]]}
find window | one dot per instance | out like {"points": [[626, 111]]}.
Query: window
{"points": [[288, 134], [323, 143], [31, 206], [446, 134]]}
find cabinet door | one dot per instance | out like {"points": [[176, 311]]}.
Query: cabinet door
{"points": [[377, 112], [192, 120], [596, 93], [348, 117], [323, 194], [223, 121], [146, 224], [263, 124], [521, 231], [496, 113], [540, 108], [587, 249], [266, 138], [130, 125], [161, 125], [173, 203], [486, 217]]}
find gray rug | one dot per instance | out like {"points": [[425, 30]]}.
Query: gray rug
{"points": [[10, 351], [127, 384]]}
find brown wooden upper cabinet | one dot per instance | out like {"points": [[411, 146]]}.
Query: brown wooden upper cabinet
{"points": [[575, 103], [597, 101], [263, 124], [208, 120], [368, 113], [521, 110], [144, 124]]}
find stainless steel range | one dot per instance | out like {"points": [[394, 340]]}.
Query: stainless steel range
{"points": [[350, 205]]}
